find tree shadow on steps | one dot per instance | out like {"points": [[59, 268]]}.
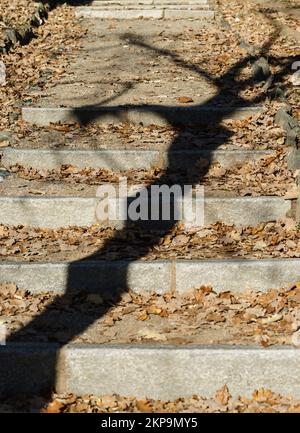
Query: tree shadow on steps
{"points": [[28, 374]]}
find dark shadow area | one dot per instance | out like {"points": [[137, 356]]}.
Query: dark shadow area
{"points": [[54, 3], [111, 285]]}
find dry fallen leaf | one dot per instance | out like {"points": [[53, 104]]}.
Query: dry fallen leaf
{"points": [[153, 309], [215, 317], [54, 407], [295, 79], [271, 319], [151, 334], [144, 406], [36, 192], [70, 169], [263, 340], [144, 316], [295, 339], [223, 396], [184, 99], [262, 395], [292, 193], [108, 401]]}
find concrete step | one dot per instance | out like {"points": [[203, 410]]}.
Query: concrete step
{"points": [[146, 115], [154, 276], [147, 2], [58, 211], [121, 160], [131, 6], [170, 28], [147, 371], [155, 13]]}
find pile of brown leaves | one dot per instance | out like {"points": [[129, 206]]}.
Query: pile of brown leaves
{"points": [[260, 26], [249, 17], [258, 132], [279, 239], [262, 400], [33, 67], [14, 13], [200, 316], [266, 176]]}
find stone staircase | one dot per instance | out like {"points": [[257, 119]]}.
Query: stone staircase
{"points": [[149, 9], [154, 370]]}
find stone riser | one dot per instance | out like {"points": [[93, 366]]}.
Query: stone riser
{"points": [[148, 115], [98, 3], [55, 212], [161, 372], [129, 14], [132, 7], [159, 276], [121, 160]]}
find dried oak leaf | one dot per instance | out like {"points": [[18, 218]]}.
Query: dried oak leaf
{"points": [[215, 317], [223, 396], [184, 99], [151, 334], [262, 395], [54, 407], [296, 338], [144, 406], [144, 316]]}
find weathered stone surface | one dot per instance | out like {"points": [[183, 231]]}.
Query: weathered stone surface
{"points": [[236, 274], [289, 124], [108, 276], [171, 372], [146, 115], [293, 159], [174, 14], [47, 211], [54, 212], [245, 210], [124, 14], [161, 372], [261, 70], [6, 136], [51, 159], [157, 276]]}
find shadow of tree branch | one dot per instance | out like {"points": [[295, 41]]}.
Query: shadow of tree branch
{"points": [[149, 233]]}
